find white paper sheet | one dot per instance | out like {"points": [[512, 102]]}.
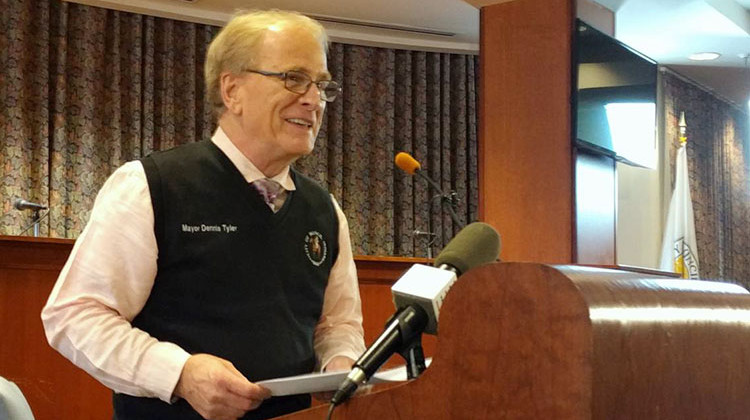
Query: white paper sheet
{"points": [[329, 381]]}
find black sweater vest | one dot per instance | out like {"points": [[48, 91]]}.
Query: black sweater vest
{"points": [[234, 279]]}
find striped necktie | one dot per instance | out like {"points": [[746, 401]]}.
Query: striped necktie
{"points": [[272, 192]]}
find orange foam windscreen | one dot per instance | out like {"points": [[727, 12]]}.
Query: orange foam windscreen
{"points": [[407, 163]]}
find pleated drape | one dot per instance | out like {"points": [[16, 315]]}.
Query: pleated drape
{"points": [[718, 168]]}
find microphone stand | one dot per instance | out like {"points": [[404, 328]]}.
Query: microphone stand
{"points": [[447, 200], [412, 350], [414, 356], [430, 240], [35, 220]]}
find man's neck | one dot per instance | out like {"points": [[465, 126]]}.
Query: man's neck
{"points": [[252, 150]]}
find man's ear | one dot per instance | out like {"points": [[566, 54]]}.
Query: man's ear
{"points": [[230, 92]]}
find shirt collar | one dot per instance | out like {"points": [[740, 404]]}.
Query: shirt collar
{"points": [[248, 170]]}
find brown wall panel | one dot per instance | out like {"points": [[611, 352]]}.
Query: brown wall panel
{"points": [[526, 163], [54, 387], [596, 203]]}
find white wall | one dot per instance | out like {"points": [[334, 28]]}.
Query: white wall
{"points": [[639, 216]]}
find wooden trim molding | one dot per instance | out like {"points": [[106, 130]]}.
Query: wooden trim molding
{"points": [[384, 270], [50, 254], [29, 253]]}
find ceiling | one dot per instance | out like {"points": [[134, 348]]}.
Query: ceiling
{"points": [[665, 30], [669, 31]]}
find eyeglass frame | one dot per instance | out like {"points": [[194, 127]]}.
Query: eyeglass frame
{"points": [[284, 76]]}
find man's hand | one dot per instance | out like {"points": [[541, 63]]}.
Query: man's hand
{"points": [[216, 389], [338, 363]]}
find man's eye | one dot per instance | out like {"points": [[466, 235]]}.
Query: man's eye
{"points": [[295, 78]]}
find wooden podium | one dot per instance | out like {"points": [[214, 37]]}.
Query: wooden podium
{"points": [[532, 341]]}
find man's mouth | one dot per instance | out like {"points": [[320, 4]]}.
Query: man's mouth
{"points": [[300, 122]]}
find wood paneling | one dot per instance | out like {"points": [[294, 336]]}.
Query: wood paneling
{"points": [[54, 387], [525, 152], [596, 203], [529, 186]]}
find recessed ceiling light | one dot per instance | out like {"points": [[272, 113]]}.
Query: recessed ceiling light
{"points": [[704, 56]]}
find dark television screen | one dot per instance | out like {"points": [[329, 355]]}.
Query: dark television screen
{"points": [[615, 98]]}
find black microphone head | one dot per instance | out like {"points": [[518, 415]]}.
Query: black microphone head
{"points": [[21, 204], [476, 244]]}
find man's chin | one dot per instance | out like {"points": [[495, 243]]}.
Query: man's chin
{"points": [[299, 147]]}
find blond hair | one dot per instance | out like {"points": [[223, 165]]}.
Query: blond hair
{"points": [[234, 48]]}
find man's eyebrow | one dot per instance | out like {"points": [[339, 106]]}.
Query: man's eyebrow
{"points": [[326, 75]]}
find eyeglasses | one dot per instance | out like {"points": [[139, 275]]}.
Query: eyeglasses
{"points": [[299, 82]]}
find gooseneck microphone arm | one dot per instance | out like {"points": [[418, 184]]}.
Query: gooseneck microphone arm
{"points": [[411, 166], [446, 200]]}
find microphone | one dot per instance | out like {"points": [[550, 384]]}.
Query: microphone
{"points": [[425, 286], [21, 204], [418, 296], [411, 166], [407, 163]]}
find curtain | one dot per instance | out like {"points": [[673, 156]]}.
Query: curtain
{"points": [[86, 89], [718, 165], [395, 100]]}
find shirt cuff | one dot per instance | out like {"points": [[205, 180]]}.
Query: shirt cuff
{"points": [[165, 361]]}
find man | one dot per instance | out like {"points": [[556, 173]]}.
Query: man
{"points": [[195, 275]]}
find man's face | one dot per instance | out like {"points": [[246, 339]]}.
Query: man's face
{"points": [[281, 123]]}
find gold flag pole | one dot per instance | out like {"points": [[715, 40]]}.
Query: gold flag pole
{"points": [[683, 128]]}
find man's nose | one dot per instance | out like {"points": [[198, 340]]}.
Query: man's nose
{"points": [[312, 96]]}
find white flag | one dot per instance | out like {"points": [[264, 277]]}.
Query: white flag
{"points": [[679, 252]]}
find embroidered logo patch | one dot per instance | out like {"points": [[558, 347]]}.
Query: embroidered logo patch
{"points": [[315, 248]]}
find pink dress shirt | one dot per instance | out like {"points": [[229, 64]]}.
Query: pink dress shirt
{"points": [[111, 270]]}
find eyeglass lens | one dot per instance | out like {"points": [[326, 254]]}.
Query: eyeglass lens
{"points": [[299, 83]]}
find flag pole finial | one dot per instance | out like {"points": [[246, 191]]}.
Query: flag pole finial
{"points": [[683, 128]]}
